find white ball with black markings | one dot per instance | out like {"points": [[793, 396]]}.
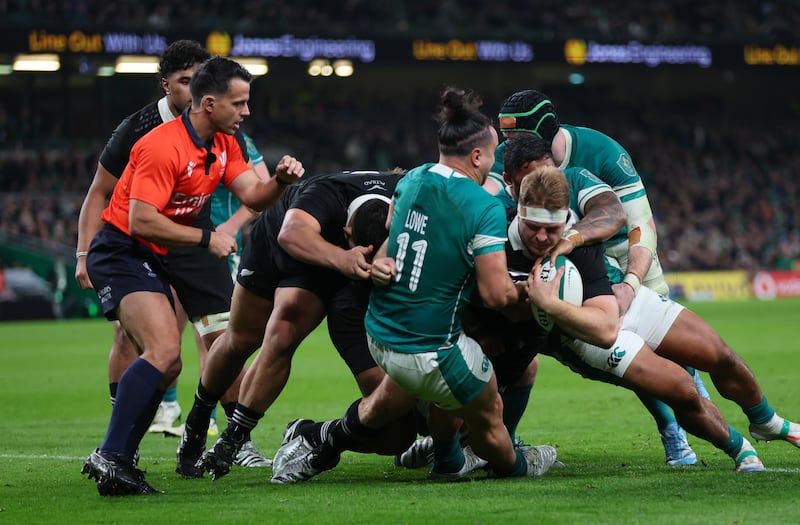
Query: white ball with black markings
{"points": [[570, 290]]}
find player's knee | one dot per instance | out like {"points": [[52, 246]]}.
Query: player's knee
{"points": [[167, 359], [281, 341], [369, 379], [122, 343], [684, 394], [722, 360], [239, 342]]}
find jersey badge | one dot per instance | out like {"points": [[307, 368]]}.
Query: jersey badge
{"points": [[626, 165]]}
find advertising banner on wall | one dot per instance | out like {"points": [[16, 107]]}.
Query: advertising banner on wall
{"points": [[709, 286], [777, 283], [94, 40]]}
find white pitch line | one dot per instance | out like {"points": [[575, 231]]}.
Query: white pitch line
{"points": [[687, 468], [66, 458]]}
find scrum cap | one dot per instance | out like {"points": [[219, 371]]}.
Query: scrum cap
{"points": [[529, 111]]}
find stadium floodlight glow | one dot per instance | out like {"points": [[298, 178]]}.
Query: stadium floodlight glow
{"points": [[106, 71], [576, 79], [315, 67], [38, 62], [343, 68], [256, 66], [136, 64]]}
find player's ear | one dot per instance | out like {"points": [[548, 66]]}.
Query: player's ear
{"points": [[208, 102]]}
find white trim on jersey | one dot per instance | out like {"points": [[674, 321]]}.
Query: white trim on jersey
{"points": [[163, 110]]}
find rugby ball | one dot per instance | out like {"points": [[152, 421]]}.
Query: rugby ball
{"points": [[570, 290]]}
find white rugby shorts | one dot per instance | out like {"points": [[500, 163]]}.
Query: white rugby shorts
{"points": [[647, 321]]}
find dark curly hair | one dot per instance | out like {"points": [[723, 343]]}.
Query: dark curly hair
{"points": [[523, 149], [181, 54]]}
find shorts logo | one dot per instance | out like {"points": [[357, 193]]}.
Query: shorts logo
{"points": [[616, 357], [485, 364], [150, 272], [104, 295], [244, 272]]}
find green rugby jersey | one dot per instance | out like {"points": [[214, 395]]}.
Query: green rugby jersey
{"points": [[441, 221]]}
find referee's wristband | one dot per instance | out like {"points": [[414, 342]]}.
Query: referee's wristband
{"points": [[205, 239], [80, 254], [573, 236], [633, 281]]}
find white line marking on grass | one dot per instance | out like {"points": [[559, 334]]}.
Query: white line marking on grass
{"points": [[66, 458], [686, 468], [375, 461]]}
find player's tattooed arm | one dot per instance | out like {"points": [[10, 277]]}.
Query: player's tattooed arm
{"points": [[603, 217]]}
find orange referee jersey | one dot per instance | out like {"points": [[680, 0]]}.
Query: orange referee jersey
{"points": [[172, 169]]}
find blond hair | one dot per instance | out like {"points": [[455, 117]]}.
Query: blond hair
{"points": [[545, 186]]}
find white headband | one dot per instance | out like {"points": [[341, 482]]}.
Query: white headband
{"points": [[529, 213], [358, 201]]}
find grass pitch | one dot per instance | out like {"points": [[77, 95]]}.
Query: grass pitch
{"points": [[54, 399]]}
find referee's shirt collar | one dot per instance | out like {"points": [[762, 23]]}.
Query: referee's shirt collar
{"points": [[187, 122], [211, 158]]}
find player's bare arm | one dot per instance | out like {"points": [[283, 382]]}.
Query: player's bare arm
{"points": [[603, 217], [495, 287], [595, 321], [301, 237], [149, 224], [89, 221], [258, 194]]}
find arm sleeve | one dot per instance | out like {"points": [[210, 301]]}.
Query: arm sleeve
{"points": [[491, 234]]}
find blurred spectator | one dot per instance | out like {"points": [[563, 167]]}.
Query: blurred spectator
{"points": [[662, 20], [726, 193]]}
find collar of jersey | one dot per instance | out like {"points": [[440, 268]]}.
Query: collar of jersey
{"points": [[187, 123]]}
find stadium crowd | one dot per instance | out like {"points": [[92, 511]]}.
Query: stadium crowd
{"points": [[734, 180], [674, 20]]}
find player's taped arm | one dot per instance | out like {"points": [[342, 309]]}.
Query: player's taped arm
{"points": [[641, 228]]}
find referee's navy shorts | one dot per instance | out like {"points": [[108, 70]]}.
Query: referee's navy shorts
{"points": [[119, 265]]}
